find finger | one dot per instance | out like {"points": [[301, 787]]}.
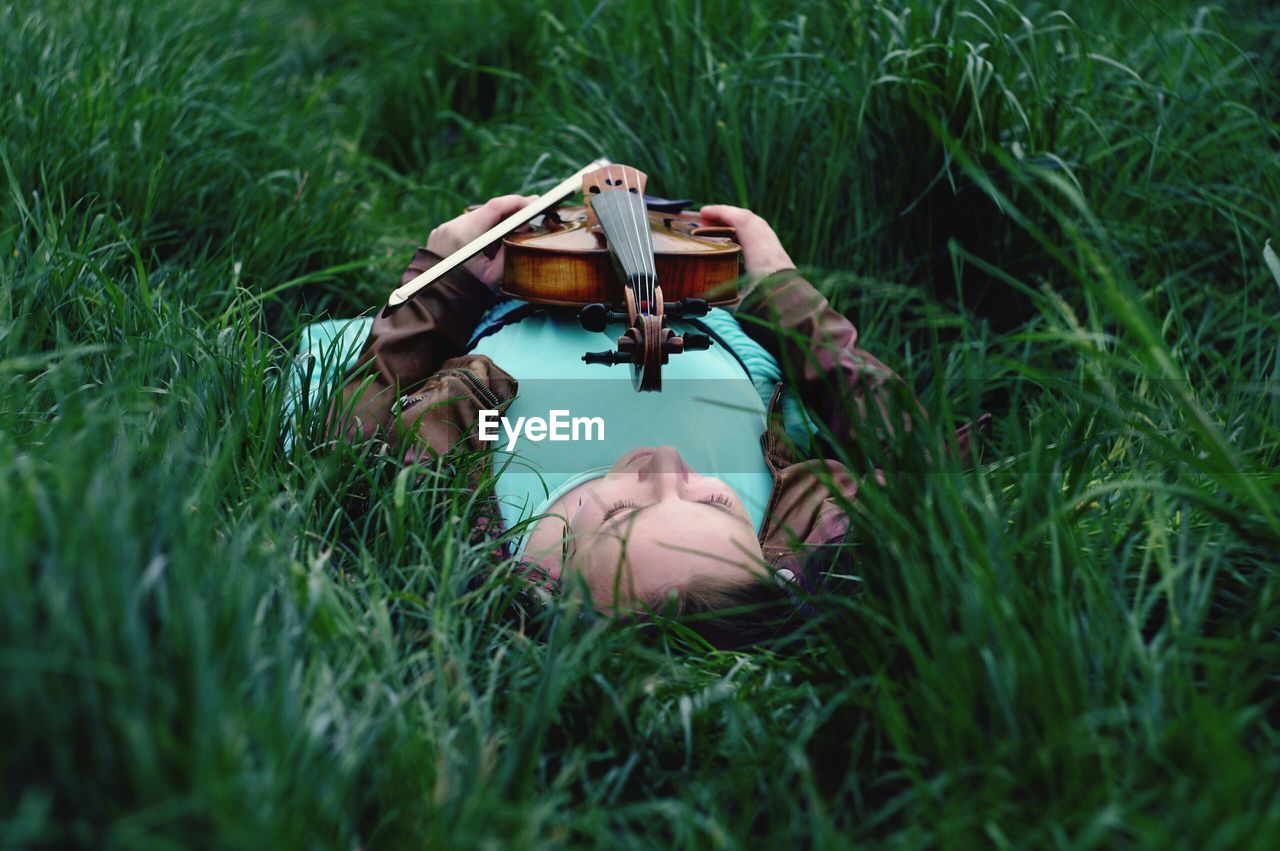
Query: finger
{"points": [[713, 214], [748, 227], [723, 214], [526, 227], [496, 209], [487, 268]]}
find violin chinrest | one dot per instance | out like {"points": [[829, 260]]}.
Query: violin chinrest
{"points": [[667, 205]]}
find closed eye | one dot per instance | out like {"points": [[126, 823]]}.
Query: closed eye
{"points": [[618, 508], [720, 501]]}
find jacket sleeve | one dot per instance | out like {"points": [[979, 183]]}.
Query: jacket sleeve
{"points": [[846, 388], [406, 347]]}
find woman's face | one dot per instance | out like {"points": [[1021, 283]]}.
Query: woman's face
{"points": [[649, 526]]}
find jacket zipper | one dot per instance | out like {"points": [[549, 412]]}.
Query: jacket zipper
{"points": [[482, 390], [479, 384]]}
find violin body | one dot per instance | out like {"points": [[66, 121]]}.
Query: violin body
{"points": [[607, 258], [566, 260], [624, 263]]}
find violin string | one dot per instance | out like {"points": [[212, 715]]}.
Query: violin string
{"points": [[624, 247], [642, 227], [636, 241], [631, 260], [644, 303], [644, 250], [645, 240], [643, 255], [634, 252], [633, 235], [632, 238]]}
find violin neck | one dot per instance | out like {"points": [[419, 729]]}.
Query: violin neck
{"points": [[625, 222]]}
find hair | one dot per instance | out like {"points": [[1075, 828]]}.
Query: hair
{"points": [[733, 615], [728, 615], [738, 615]]}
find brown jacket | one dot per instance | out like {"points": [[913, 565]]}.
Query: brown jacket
{"points": [[413, 367]]}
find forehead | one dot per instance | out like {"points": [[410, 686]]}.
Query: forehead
{"points": [[670, 545]]}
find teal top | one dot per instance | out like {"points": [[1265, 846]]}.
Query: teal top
{"points": [[712, 408]]}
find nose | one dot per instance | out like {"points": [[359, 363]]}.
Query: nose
{"points": [[666, 467]]}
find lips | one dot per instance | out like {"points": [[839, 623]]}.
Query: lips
{"points": [[637, 455]]}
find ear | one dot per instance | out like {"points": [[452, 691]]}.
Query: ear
{"points": [[537, 576]]}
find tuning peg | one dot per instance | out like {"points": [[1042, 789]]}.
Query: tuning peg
{"points": [[606, 358], [686, 307], [597, 317], [696, 342]]}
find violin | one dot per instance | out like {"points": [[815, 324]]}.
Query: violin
{"points": [[621, 260]]}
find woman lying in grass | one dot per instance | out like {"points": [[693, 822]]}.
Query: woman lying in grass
{"points": [[695, 492]]}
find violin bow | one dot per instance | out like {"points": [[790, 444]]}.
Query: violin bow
{"points": [[545, 202]]}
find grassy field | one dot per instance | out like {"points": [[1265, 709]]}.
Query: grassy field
{"points": [[1056, 212]]}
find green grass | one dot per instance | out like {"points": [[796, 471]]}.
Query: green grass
{"points": [[1056, 212]]}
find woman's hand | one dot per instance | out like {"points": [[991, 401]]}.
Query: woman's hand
{"points": [[455, 233], [762, 252]]}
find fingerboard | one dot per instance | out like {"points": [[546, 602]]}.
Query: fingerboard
{"points": [[625, 222]]}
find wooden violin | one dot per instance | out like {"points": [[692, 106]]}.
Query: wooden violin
{"points": [[619, 261]]}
